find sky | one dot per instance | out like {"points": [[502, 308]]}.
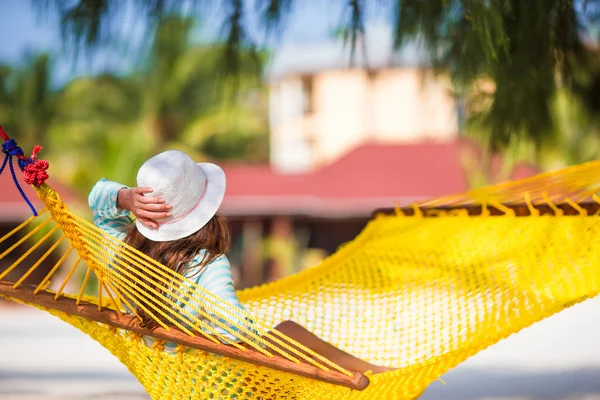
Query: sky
{"points": [[25, 33]]}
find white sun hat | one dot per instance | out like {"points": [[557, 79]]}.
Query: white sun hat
{"points": [[195, 191]]}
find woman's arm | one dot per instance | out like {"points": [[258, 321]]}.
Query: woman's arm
{"points": [[111, 204], [108, 216]]}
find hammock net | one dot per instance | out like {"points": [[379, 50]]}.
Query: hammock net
{"points": [[420, 289]]}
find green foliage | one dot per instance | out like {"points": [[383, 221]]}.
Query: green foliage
{"points": [[5, 101], [525, 47], [26, 101], [109, 125], [578, 134], [229, 133]]}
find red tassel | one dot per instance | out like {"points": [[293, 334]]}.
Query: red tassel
{"points": [[36, 149], [35, 173]]}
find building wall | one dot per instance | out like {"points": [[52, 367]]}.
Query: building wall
{"points": [[315, 119]]}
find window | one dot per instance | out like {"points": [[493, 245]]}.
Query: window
{"points": [[307, 95]]}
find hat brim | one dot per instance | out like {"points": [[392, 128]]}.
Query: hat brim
{"points": [[199, 216]]}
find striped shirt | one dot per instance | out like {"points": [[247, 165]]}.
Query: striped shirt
{"points": [[215, 277]]}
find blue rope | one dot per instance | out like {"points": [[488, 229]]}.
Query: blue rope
{"points": [[11, 149], [4, 164]]}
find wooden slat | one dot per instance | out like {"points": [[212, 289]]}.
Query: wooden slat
{"points": [[90, 312], [521, 210]]}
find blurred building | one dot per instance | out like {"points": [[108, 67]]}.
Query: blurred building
{"points": [[345, 140], [321, 106]]}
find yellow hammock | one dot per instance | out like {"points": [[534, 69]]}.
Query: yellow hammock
{"points": [[420, 289]]}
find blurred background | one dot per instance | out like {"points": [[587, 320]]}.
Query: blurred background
{"points": [[319, 112]]}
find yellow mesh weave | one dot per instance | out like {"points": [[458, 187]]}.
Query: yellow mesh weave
{"points": [[421, 294]]}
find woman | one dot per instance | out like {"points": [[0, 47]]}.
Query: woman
{"points": [[175, 204]]}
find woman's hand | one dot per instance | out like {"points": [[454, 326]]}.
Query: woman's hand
{"points": [[145, 208]]}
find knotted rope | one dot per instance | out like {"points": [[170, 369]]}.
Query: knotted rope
{"points": [[34, 170]]}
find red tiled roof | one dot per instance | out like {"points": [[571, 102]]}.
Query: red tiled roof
{"points": [[12, 206], [366, 178]]}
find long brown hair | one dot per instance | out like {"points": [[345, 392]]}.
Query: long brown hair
{"points": [[214, 238]]}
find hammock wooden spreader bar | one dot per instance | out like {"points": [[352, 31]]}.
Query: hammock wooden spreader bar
{"points": [[518, 210], [90, 312]]}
